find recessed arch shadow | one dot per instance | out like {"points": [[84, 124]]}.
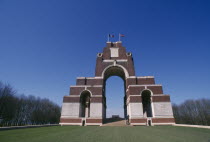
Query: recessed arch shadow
{"points": [[147, 103], [85, 103]]}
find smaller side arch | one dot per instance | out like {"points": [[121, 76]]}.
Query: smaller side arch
{"points": [[146, 96], [86, 90], [85, 98], [147, 90]]}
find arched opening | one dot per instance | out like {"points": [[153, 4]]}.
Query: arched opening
{"points": [[116, 91], [85, 104], [114, 97], [146, 102]]}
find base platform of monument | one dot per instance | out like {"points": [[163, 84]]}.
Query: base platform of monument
{"points": [[149, 121], [115, 122]]}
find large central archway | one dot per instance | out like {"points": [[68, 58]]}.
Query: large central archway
{"points": [[120, 72]]}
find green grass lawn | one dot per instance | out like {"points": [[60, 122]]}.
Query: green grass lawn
{"points": [[106, 134]]}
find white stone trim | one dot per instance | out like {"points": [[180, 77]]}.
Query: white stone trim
{"points": [[119, 60], [122, 60], [94, 78], [72, 96], [98, 77], [97, 96], [131, 77], [81, 77], [145, 77], [117, 65], [196, 126], [90, 77], [148, 90], [80, 124], [88, 124], [144, 85], [86, 90]]}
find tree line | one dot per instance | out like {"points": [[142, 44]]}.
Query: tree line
{"points": [[195, 112], [16, 110]]}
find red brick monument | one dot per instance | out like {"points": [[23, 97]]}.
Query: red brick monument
{"points": [[144, 101]]}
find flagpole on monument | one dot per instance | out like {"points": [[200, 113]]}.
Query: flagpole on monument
{"points": [[108, 38]]}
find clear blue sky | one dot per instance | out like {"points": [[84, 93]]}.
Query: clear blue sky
{"points": [[46, 44]]}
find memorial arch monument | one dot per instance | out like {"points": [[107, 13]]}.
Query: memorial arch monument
{"points": [[144, 101]]}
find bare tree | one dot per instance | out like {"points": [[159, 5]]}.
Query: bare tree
{"points": [[195, 112], [21, 110]]}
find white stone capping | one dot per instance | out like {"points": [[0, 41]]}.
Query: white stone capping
{"points": [[145, 77], [71, 96], [144, 85], [93, 124], [131, 77], [87, 86], [108, 60], [98, 77], [196, 126], [90, 77], [122, 60], [152, 95], [94, 78], [119, 60], [71, 124], [81, 77]]}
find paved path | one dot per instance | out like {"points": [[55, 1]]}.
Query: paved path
{"points": [[196, 126], [116, 123]]}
